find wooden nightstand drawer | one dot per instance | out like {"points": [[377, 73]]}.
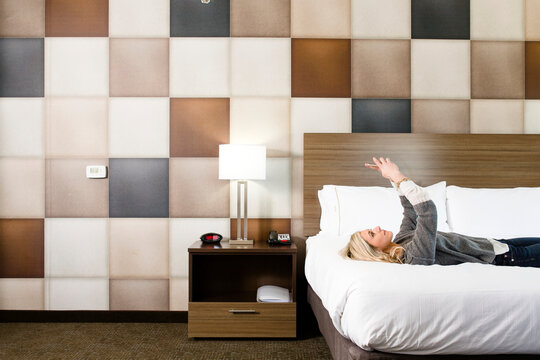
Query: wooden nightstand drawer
{"points": [[241, 319]]}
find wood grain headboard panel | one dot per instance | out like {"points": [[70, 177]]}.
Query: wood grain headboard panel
{"points": [[470, 160]]}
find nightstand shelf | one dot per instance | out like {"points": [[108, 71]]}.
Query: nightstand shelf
{"points": [[223, 283]]}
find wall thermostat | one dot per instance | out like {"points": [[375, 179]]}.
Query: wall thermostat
{"points": [[96, 171]]}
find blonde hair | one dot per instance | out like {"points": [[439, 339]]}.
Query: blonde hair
{"points": [[360, 249]]}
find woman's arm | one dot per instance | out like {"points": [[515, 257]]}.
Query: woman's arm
{"points": [[421, 249], [391, 171], [409, 215]]}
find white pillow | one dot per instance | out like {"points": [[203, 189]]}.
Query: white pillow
{"points": [[367, 207], [495, 213], [329, 210]]}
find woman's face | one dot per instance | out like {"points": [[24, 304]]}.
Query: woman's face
{"points": [[377, 237]]}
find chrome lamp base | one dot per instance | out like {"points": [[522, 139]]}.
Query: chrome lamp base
{"points": [[239, 240]]}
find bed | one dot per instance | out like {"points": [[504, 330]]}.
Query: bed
{"points": [[464, 160]]}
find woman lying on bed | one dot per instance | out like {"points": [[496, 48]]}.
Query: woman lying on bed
{"points": [[418, 241]]}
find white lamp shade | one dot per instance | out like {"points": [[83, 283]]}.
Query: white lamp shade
{"points": [[242, 162]]}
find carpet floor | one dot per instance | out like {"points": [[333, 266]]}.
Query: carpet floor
{"points": [[142, 341]]}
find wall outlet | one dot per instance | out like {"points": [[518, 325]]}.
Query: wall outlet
{"points": [[96, 171]]}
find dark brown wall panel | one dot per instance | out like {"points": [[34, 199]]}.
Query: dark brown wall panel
{"points": [[321, 68], [198, 126], [21, 248], [77, 18], [532, 70]]}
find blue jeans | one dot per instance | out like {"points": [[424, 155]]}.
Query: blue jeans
{"points": [[523, 252]]}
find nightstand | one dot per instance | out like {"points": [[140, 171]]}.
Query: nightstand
{"points": [[223, 283]]}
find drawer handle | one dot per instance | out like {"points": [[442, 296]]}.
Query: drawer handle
{"points": [[234, 311]]}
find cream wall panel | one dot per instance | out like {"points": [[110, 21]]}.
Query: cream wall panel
{"points": [[77, 127], [381, 19], [532, 117], [22, 188], [76, 294], [139, 18], [139, 127], [139, 248], [199, 67], [76, 248], [260, 67], [497, 19], [22, 126], [532, 20], [440, 69], [195, 189], [179, 294], [262, 121], [497, 116], [318, 115], [21, 294], [321, 18], [76, 66]]}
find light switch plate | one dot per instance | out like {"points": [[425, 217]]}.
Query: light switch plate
{"points": [[96, 171]]}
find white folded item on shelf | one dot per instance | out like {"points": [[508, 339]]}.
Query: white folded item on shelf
{"points": [[273, 294]]}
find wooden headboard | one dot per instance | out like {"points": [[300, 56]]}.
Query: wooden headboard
{"points": [[470, 160]]}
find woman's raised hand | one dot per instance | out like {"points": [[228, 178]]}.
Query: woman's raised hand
{"points": [[387, 168]]}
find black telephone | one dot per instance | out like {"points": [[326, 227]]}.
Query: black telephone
{"points": [[275, 238], [211, 238]]}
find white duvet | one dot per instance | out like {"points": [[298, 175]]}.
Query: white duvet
{"points": [[414, 309]]}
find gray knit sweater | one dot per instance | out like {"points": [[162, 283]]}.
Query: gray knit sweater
{"points": [[423, 244]]}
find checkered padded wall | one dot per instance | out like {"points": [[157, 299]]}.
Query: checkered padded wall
{"points": [[150, 88]]}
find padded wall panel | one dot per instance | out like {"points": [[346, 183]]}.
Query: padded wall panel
{"points": [[532, 70], [22, 123], [139, 187], [22, 187], [260, 18], [139, 67], [21, 248], [21, 68], [497, 70], [69, 193], [440, 19], [22, 18], [321, 68], [320, 19], [139, 248], [440, 116], [381, 68], [77, 18], [381, 115], [198, 126], [192, 180], [139, 295], [195, 18]]}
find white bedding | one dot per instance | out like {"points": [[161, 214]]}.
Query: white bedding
{"points": [[414, 309]]}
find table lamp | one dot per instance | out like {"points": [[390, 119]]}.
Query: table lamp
{"points": [[242, 163]]}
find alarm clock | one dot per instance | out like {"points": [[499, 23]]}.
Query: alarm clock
{"points": [[211, 238]]}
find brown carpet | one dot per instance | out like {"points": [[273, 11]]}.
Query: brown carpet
{"points": [[141, 341]]}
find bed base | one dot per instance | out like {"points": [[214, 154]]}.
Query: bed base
{"points": [[344, 349]]}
